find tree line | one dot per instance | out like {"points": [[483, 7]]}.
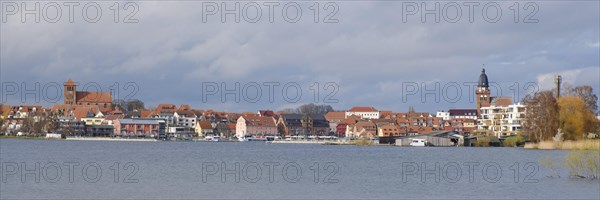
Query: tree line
{"points": [[574, 112]]}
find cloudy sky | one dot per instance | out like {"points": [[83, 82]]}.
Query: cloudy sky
{"points": [[367, 55]]}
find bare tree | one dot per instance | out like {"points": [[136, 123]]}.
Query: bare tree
{"points": [[542, 120]]}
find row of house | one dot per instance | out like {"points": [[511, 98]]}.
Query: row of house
{"points": [[183, 121], [94, 114]]}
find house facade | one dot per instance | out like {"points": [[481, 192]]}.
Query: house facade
{"points": [[502, 120], [203, 128], [335, 118], [363, 112], [139, 127], [298, 124], [253, 125]]}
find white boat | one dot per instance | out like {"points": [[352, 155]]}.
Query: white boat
{"points": [[249, 138], [418, 143], [212, 138]]}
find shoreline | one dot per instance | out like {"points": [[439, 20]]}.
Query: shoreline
{"points": [[589, 144], [111, 139]]}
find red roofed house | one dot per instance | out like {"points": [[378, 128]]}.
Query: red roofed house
{"points": [[364, 112], [203, 128], [335, 118], [364, 129], [266, 113], [255, 126]]}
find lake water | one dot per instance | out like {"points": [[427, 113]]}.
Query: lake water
{"points": [[201, 170]]}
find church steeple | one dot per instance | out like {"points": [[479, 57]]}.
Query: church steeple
{"points": [[483, 79], [482, 93], [70, 89]]}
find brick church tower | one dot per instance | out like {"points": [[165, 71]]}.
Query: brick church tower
{"points": [[70, 90], [482, 92]]}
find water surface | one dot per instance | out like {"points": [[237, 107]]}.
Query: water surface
{"points": [[202, 170]]}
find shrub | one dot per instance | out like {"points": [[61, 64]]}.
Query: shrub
{"points": [[483, 141], [363, 142], [512, 141], [583, 163], [550, 163]]}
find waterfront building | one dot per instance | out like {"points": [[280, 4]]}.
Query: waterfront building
{"points": [[223, 130], [461, 125], [362, 129], [501, 120], [340, 130], [185, 118], [203, 128], [99, 130], [298, 124], [253, 125], [335, 118], [389, 130], [142, 127], [92, 118], [70, 126]]}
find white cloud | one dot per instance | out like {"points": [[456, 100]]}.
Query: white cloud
{"points": [[579, 76], [367, 53]]}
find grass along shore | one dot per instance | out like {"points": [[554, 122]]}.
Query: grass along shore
{"points": [[26, 137], [565, 145]]}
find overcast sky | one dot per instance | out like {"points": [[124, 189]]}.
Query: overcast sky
{"points": [[370, 55]]}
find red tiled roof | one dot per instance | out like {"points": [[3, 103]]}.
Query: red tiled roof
{"points": [[93, 97], [185, 107], [363, 109], [367, 125], [335, 116], [266, 113], [166, 107], [501, 101], [114, 117], [253, 120], [205, 124], [198, 112], [231, 126], [186, 113], [146, 113]]}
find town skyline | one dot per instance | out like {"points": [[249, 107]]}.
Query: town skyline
{"points": [[130, 90]]}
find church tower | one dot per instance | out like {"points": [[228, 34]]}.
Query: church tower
{"points": [[70, 89], [482, 92]]}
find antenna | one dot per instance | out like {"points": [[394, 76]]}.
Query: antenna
{"points": [[557, 82]]}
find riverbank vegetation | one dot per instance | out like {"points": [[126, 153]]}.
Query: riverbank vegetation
{"points": [[362, 142], [566, 121], [27, 137], [579, 163], [588, 144]]}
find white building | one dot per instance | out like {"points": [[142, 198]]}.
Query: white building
{"points": [[445, 115], [363, 112], [185, 118], [502, 120], [457, 114]]}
